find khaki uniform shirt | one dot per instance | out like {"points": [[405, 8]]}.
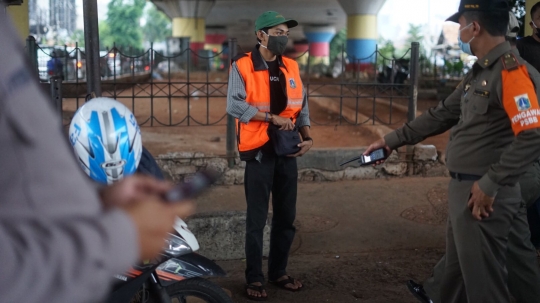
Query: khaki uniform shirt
{"points": [[57, 244], [494, 135]]}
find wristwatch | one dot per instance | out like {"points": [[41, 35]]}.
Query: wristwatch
{"points": [[308, 138]]}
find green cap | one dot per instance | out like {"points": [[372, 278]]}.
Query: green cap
{"points": [[271, 19]]}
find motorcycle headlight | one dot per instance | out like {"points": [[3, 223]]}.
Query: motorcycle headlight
{"points": [[176, 246]]}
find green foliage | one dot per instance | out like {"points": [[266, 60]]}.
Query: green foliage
{"points": [[337, 45], [387, 50], [123, 27], [77, 36], [158, 26], [454, 69], [106, 41], [414, 34]]}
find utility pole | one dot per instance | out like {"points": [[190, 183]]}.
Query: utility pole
{"points": [[91, 39]]}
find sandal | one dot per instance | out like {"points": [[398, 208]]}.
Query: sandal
{"points": [[258, 288], [289, 280]]}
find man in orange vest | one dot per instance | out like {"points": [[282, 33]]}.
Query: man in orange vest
{"points": [[265, 88]]}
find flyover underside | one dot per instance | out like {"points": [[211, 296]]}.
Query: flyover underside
{"points": [[316, 17]]}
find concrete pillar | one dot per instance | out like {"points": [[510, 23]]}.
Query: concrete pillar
{"points": [[214, 39], [19, 16], [188, 19], [362, 36], [528, 5], [194, 28], [362, 32], [300, 49], [319, 38]]}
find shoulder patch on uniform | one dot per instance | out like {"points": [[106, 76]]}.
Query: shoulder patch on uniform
{"points": [[239, 56], [520, 100], [509, 61]]}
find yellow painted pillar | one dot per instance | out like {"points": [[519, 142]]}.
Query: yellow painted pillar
{"points": [[362, 35], [194, 28], [19, 15], [528, 5]]}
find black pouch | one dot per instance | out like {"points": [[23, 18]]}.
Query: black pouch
{"points": [[285, 141]]}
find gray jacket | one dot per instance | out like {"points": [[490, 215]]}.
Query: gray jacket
{"points": [[57, 244]]}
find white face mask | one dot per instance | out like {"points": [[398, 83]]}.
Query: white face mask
{"points": [[537, 33]]}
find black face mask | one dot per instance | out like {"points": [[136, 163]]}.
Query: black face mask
{"points": [[276, 44]]}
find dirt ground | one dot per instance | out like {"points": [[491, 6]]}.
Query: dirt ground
{"points": [[376, 275], [356, 241], [328, 131]]}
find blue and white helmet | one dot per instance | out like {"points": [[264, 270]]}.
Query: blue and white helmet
{"points": [[106, 139]]}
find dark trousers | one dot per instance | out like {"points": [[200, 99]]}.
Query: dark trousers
{"points": [[279, 176], [533, 215], [530, 191]]}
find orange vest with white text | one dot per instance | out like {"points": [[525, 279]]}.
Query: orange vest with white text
{"points": [[253, 135]]}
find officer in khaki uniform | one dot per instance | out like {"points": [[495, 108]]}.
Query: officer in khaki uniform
{"points": [[523, 282], [494, 116]]}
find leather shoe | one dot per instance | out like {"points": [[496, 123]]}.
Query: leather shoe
{"points": [[418, 291]]}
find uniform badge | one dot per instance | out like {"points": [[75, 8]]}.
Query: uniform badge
{"points": [[292, 83], [523, 102], [481, 93]]}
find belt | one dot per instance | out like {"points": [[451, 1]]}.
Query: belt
{"points": [[464, 177]]}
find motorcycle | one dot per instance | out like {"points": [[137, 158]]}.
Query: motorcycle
{"points": [[396, 73], [176, 274]]}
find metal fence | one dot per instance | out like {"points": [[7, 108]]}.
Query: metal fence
{"points": [[72, 63], [190, 88]]}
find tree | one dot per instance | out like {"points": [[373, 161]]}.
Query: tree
{"points": [[387, 51], [518, 8], [158, 26], [338, 43], [123, 24], [77, 36], [106, 41], [414, 34]]}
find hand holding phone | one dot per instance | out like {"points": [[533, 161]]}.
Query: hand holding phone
{"points": [[192, 188], [374, 156]]}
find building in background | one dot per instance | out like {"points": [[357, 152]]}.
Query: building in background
{"points": [[38, 18], [52, 21], [62, 16]]}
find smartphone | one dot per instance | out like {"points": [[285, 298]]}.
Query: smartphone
{"points": [[374, 156], [192, 188]]}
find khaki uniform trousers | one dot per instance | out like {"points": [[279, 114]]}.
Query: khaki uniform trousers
{"points": [[475, 267], [521, 262]]}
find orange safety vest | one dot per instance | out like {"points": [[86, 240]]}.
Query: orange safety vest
{"points": [[253, 135]]}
